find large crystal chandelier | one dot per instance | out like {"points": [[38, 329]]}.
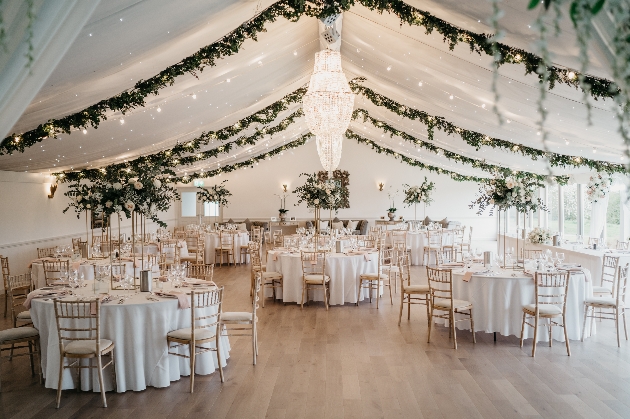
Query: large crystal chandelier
{"points": [[328, 106]]}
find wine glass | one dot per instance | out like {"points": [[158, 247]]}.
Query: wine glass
{"points": [[560, 257]]}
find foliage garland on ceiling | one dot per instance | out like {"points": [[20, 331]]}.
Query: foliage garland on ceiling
{"points": [[477, 139], [292, 10], [479, 164]]}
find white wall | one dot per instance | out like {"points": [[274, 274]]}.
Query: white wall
{"points": [[253, 189], [28, 219]]}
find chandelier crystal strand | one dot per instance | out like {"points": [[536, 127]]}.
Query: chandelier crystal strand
{"points": [[328, 106]]}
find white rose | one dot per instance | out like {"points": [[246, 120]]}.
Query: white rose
{"points": [[79, 198], [157, 183], [510, 183], [316, 201], [88, 206], [117, 186], [109, 204], [133, 180], [117, 208], [138, 185], [130, 205], [109, 186], [491, 201]]}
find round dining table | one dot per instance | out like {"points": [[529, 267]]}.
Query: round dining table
{"points": [[138, 328], [343, 269], [86, 268], [416, 240], [498, 299]]}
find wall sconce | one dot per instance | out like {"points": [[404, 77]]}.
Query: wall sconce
{"points": [[53, 189], [380, 186], [284, 188]]}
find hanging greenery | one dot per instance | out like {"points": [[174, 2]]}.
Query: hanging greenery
{"points": [[508, 192], [292, 10], [217, 193], [477, 139]]}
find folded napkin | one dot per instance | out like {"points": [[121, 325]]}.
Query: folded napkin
{"points": [[41, 294], [469, 274], [182, 298]]}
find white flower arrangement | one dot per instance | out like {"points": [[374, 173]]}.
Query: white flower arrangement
{"points": [[509, 192], [539, 235], [598, 187], [325, 194], [138, 185], [418, 194]]}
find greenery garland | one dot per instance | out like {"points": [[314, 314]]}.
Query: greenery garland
{"points": [[479, 164], [217, 193], [477, 139], [292, 10]]}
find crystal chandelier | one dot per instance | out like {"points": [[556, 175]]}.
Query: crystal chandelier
{"points": [[328, 105]]}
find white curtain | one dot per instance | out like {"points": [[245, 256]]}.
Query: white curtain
{"points": [[598, 216]]}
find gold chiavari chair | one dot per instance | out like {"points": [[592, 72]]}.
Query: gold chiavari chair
{"points": [[531, 254], [79, 333], [551, 303], [96, 240], [615, 304], [269, 279], [410, 293], [200, 271], [441, 300], [291, 242], [609, 274], [226, 247], [76, 243], [278, 240], [621, 245], [179, 235], [169, 251], [176, 230], [466, 244], [19, 287], [192, 241], [434, 245], [399, 238], [45, 252], [205, 329], [256, 234], [4, 265], [243, 323], [19, 338], [314, 275], [55, 269], [372, 281], [197, 256], [446, 256]]}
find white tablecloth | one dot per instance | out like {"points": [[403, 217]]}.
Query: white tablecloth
{"points": [[212, 241], [138, 329], [343, 270], [588, 258], [416, 241], [498, 303], [86, 268]]}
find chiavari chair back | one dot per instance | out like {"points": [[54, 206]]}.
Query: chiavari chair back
{"points": [[410, 293], [399, 237], [79, 334], [205, 312], [314, 274], [55, 269], [226, 247], [203, 271], [532, 254], [243, 323], [179, 235], [76, 243], [550, 302], [443, 305], [291, 242], [609, 275], [371, 281], [45, 252], [621, 245], [19, 287], [433, 246], [4, 266], [256, 233], [278, 240]]}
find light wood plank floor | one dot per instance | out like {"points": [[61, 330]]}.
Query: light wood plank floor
{"points": [[355, 362]]}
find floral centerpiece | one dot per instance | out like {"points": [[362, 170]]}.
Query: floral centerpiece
{"points": [[217, 193], [539, 235], [415, 195], [598, 187], [324, 194], [509, 192]]}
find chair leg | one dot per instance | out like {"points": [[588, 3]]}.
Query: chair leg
{"points": [[30, 355], [378, 291], [625, 328], [359, 292], [254, 349], [402, 303], [535, 336], [60, 379], [115, 382], [430, 325], [218, 344], [523, 329], [566, 335], [617, 326], [325, 296], [452, 321], [303, 289], [99, 364], [586, 308], [191, 348], [391, 299], [549, 331], [472, 326], [427, 302]]}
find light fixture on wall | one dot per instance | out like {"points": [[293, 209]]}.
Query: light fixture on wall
{"points": [[53, 189], [284, 188], [380, 186]]}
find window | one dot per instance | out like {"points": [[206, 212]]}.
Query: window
{"points": [[553, 207], [613, 216], [569, 193], [587, 208], [189, 204], [210, 209]]}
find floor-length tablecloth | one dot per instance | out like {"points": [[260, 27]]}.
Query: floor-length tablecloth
{"points": [[212, 242], [343, 270], [416, 240], [138, 329], [498, 303]]}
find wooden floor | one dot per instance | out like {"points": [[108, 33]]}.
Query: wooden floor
{"points": [[355, 362]]}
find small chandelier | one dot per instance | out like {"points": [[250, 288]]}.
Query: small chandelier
{"points": [[328, 105]]}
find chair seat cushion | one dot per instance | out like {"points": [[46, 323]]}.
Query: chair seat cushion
{"points": [[457, 304], [271, 275], [373, 276], [602, 290], [415, 289], [200, 334], [543, 309], [601, 301], [24, 315], [236, 316], [224, 248], [315, 278], [86, 347], [17, 333]]}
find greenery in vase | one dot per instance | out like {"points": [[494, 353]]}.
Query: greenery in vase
{"points": [[217, 193], [283, 211], [392, 209], [505, 193], [325, 194], [418, 194]]}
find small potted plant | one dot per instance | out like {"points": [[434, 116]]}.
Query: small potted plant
{"points": [[391, 213], [283, 214]]}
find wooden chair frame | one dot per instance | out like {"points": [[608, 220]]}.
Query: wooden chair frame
{"points": [[231, 326], [4, 265], [19, 287], [372, 281], [226, 246], [54, 266], [203, 271], [410, 296], [314, 264], [32, 343]]}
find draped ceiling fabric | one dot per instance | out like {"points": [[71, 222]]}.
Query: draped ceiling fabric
{"points": [[128, 40]]}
